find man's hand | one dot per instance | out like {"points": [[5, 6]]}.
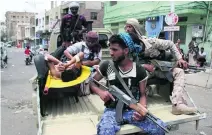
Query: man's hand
{"points": [[182, 63], [149, 67], [106, 96], [136, 116]]}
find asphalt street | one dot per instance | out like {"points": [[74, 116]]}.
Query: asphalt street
{"points": [[16, 107], [16, 95]]}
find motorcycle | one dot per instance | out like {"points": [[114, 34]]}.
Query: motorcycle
{"points": [[28, 58]]}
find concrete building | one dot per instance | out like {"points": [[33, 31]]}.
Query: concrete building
{"points": [[16, 18], [41, 28], [3, 36], [30, 33], [20, 31], [3, 26], [192, 15]]}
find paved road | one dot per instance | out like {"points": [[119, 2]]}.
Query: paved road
{"points": [[16, 107], [17, 117]]}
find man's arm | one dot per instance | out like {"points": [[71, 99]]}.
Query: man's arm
{"points": [[68, 55], [74, 49], [142, 77], [165, 45], [142, 86], [84, 23], [52, 59], [93, 86], [76, 59]]}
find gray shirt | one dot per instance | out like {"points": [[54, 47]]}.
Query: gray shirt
{"points": [[77, 47]]}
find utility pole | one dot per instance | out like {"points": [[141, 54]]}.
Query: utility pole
{"points": [[206, 22], [172, 11], [33, 4]]}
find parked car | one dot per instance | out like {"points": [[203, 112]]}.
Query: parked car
{"points": [[9, 45]]}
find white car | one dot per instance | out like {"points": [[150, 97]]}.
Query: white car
{"points": [[9, 45]]}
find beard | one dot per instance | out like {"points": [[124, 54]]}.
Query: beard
{"points": [[119, 59]]}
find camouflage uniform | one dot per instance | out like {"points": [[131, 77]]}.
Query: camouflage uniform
{"points": [[109, 126], [153, 46]]}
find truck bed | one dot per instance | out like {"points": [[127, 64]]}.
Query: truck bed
{"points": [[68, 117]]}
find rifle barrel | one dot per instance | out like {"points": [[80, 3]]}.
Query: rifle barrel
{"points": [[150, 117]]}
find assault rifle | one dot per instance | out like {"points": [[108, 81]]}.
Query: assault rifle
{"points": [[166, 66], [132, 103]]}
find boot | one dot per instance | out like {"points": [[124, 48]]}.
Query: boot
{"points": [[182, 109]]}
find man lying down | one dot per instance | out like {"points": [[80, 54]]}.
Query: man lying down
{"points": [[68, 71]]}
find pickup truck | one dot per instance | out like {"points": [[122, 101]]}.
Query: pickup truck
{"points": [[65, 116]]}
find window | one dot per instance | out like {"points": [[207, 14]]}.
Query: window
{"points": [[103, 39], [36, 22], [56, 17], [183, 19], [112, 3], [47, 20], [93, 15], [14, 16], [180, 34]]}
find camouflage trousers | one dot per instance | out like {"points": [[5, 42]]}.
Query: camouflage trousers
{"points": [[109, 126], [178, 93]]}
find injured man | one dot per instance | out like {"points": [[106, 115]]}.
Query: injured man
{"points": [[68, 71]]}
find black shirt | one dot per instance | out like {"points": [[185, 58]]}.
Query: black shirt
{"points": [[131, 78]]}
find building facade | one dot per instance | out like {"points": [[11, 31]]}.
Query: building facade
{"points": [[192, 15], [16, 18], [3, 36]]}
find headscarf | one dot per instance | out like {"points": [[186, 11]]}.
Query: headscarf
{"points": [[95, 37], [135, 24], [133, 47], [74, 4]]}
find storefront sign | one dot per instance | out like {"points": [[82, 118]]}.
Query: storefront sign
{"points": [[171, 28], [154, 26]]}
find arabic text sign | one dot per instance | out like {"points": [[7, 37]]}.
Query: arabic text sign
{"points": [[172, 28]]}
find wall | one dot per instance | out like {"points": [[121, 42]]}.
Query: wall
{"points": [[41, 21], [11, 22], [86, 9]]}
